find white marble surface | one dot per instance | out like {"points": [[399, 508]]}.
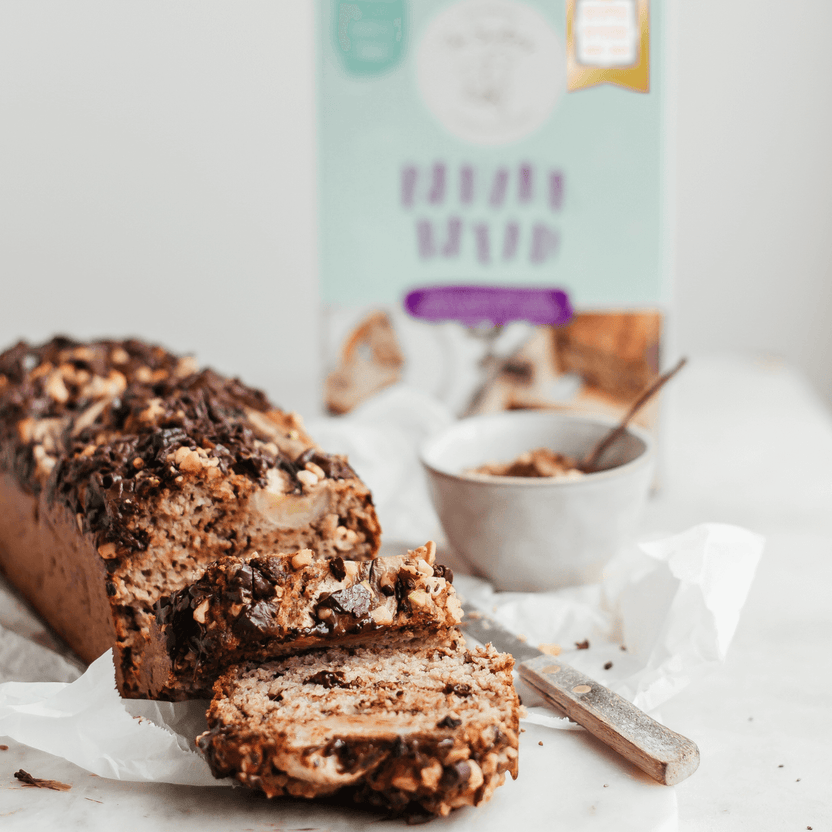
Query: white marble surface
{"points": [[747, 443], [751, 444]]}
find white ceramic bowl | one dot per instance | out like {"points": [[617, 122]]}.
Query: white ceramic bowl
{"points": [[537, 533]]}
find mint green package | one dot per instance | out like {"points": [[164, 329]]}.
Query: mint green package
{"points": [[499, 145]]}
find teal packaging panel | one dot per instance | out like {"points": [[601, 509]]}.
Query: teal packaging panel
{"points": [[451, 153]]}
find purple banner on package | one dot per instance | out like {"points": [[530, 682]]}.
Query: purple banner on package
{"points": [[474, 305]]}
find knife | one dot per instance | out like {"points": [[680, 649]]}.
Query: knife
{"points": [[663, 754]]}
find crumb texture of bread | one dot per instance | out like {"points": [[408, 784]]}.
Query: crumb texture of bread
{"points": [[425, 726], [137, 470], [267, 606]]}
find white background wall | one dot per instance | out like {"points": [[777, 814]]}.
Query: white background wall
{"points": [[157, 177]]}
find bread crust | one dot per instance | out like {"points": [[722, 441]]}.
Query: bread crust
{"points": [[127, 470]]}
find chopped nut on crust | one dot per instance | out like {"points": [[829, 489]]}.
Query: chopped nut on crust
{"points": [[191, 463], [303, 558], [316, 470], [55, 387], [107, 551], [307, 478], [382, 616], [419, 598], [199, 611]]}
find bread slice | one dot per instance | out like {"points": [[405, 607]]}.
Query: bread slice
{"points": [[268, 606], [424, 725], [125, 471]]}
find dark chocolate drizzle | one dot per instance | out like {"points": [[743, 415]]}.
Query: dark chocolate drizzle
{"points": [[203, 410]]}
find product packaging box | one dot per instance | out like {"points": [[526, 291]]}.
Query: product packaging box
{"points": [[493, 201]]}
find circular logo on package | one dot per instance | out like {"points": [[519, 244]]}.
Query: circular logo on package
{"points": [[491, 71]]}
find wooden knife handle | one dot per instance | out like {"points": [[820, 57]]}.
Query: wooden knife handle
{"points": [[663, 754]]}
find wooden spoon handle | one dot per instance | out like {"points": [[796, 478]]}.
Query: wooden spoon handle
{"points": [[663, 754]]}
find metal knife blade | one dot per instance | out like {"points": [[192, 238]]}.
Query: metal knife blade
{"points": [[666, 756]]}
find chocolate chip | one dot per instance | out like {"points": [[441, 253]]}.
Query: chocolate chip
{"points": [[449, 722], [243, 578], [356, 600], [261, 587], [455, 774], [338, 568], [460, 689], [445, 572], [258, 618], [329, 679]]}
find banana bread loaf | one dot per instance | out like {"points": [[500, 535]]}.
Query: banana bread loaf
{"points": [[125, 471], [269, 606]]}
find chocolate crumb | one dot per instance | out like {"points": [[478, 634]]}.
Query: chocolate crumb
{"points": [[780, 766], [328, 679], [541, 742], [608, 666], [27, 780], [4, 747], [623, 648], [582, 645]]}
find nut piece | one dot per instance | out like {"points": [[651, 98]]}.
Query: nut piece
{"points": [[303, 558], [383, 616], [419, 598], [424, 568], [199, 612], [406, 782], [351, 568], [308, 478], [316, 470], [430, 774], [475, 780], [345, 538], [181, 454], [107, 550], [55, 387], [426, 553], [191, 463]]}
